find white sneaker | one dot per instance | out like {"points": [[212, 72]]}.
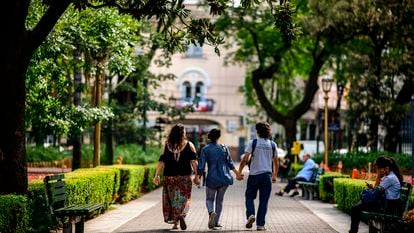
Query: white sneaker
{"points": [[261, 228], [250, 221], [212, 220]]}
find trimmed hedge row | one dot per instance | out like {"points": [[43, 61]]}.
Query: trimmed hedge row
{"points": [[104, 184], [14, 216], [346, 193], [326, 185]]}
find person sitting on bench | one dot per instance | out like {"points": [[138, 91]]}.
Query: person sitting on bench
{"points": [[388, 182], [305, 174]]}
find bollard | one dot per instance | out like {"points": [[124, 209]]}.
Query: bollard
{"points": [[355, 173]]}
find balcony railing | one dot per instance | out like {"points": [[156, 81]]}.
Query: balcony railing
{"points": [[201, 105]]}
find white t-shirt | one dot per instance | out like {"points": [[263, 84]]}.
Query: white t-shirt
{"points": [[261, 161]]}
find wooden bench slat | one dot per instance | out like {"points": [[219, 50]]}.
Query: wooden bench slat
{"points": [[310, 189], [59, 198], [56, 195]]}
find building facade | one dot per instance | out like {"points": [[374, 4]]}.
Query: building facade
{"points": [[213, 89]]}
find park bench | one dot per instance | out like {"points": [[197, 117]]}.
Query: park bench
{"points": [[55, 189], [310, 190], [381, 222]]}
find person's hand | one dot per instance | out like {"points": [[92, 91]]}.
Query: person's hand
{"points": [[156, 180], [274, 178], [196, 180], [239, 176]]}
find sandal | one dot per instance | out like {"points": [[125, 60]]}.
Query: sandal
{"points": [[183, 226]]}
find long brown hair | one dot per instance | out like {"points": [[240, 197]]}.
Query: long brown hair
{"points": [[390, 162], [176, 137]]}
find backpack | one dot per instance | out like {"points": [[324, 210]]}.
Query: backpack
{"points": [[254, 147]]}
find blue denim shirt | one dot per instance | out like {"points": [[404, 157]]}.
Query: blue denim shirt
{"points": [[307, 170], [214, 156]]}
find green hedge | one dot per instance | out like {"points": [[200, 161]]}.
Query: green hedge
{"points": [[104, 184], [346, 192], [360, 160], [326, 185], [14, 216]]}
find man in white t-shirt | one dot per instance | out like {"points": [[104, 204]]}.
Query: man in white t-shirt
{"points": [[263, 171]]}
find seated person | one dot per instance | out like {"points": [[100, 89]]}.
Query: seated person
{"points": [[388, 182], [305, 174], [284, 168]]}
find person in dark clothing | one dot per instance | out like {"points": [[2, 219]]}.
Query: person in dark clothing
{"points": [[284, 168]]}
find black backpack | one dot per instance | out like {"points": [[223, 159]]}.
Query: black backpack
{"points": [[254, 147]]}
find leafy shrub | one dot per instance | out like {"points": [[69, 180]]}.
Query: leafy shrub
{"points": [[326, 185], [131, 154], [360, 160], [41, 154], [14, 216]]}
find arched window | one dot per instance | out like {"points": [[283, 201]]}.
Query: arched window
{"points": [[187, 90], [199, 90]]}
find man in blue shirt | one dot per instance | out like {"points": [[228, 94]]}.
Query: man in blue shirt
{"points": [[305, 174]]}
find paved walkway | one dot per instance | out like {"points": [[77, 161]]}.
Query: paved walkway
{"points": [[285, 214]]}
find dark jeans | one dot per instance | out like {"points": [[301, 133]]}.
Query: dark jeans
{"points": [[376, 206], [292, 183], [263, 184]]}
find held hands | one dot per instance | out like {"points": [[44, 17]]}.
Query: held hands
{"points": [[239, 175]]}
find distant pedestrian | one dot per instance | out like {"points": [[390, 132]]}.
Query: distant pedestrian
{"points": [[219, 164], [263, 171], [388, 188], [179, 160], [284, 168], [305, 174]]}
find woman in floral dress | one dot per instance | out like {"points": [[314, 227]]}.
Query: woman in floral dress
{"points": [[179, 161]]}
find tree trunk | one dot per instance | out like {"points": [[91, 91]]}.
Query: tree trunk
{"points": [[13, 170], [13, 176], [108, 131], [391, 138], [109, 143], [18, 46], [77, 139], [97, 133], [373, 134], [290, 133]]}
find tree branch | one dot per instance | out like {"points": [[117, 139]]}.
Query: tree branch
{"points": [[46, 23]]}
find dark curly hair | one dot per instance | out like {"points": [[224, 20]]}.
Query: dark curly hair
{"points": [[176, 137], [263, 130]]}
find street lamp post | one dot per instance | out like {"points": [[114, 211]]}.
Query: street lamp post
{"points": [[326, 87]]}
